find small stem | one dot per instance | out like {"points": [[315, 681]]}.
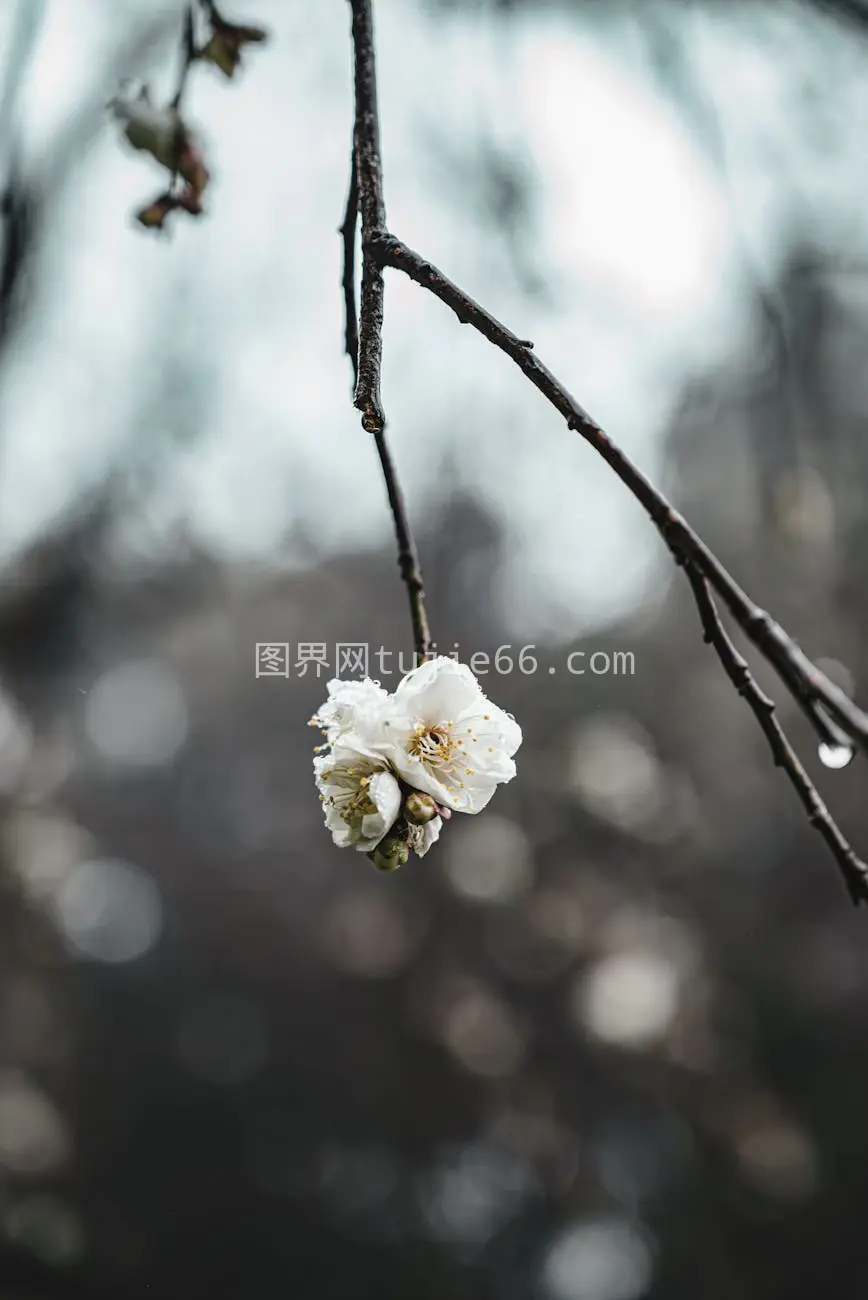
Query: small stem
{"points": [[408, 560], [189, 55], [365, 342]]}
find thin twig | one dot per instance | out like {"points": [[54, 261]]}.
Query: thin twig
{"points": [[802, 678], [369, 176], [189, 55], [408, 560], [213, 13], [363, 338], [348, 234], [853, 869]]}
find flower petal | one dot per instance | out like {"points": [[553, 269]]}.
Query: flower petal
{"points": [[386, 795], [437, 690], [356, 706], [361, 800], [422, 837]]}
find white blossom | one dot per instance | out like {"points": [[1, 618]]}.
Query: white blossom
{"points": [[390, 761], [444, 737], [360, 796], [352, 706]]}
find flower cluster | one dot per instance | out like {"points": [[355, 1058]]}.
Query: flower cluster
{"points": [[163, 132], [394, 767]]}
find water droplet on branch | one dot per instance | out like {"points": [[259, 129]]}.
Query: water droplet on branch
{"points": [[836, 756]]}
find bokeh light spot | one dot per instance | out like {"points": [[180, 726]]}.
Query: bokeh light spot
{"points": [[109, 910], [629, 999], [136, 714], [603, 1260], [489, 860], [47, 1227], [33, 1136]]}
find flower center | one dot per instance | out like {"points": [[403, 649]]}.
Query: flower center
{"points": [[353, 802], [434, 746]]}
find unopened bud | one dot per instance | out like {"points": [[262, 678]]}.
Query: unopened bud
{"points": [[419, 808], [390, 854]]}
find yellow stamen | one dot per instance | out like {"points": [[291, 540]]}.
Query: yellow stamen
{"points": [[435, 746]]}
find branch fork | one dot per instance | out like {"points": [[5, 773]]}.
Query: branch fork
{"points": [[836, 719]]}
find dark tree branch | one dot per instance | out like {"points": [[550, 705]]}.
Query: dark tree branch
{"points": [[348, 234], [802, 678], [364, 342], [813, 691], [369, 177], [853, 869], [189, 55]]}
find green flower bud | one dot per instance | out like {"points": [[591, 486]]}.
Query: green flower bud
{"points": [[419, 808], [390, 854]]}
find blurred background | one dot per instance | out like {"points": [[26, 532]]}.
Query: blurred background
{"points": [[609, 1040]]}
